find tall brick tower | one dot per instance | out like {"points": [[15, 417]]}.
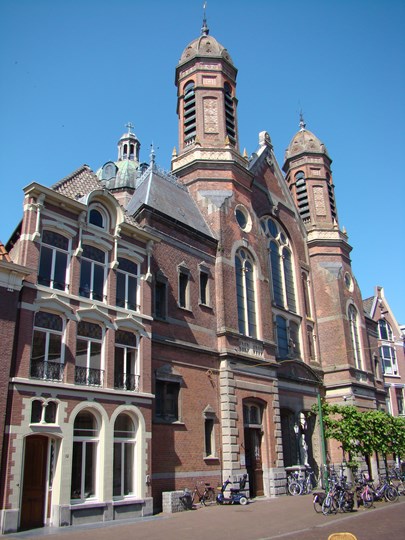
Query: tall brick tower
{"points": [[345, 353]]}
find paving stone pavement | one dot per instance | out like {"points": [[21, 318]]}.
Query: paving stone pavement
{"points": [[283, 518]]}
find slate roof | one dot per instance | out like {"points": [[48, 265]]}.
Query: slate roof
{"points": [[161, 191], [368, 304]]}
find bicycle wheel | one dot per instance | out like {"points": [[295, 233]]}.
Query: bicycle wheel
{"points": [[329, 506], [367, 498], [209, 496], [391, 494], [317, 502], [294, 488]]}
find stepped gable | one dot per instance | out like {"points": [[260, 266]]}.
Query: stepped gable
{"points": [[161, 191]]}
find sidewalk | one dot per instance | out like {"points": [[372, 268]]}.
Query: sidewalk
{"points": [[284, 518]]}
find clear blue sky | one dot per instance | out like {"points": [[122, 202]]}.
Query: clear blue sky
{"points": [[74, 72]]}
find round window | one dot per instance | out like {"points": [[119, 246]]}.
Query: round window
{"points": [[348, 281], [243, 218]]}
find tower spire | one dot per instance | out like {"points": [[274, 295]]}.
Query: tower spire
{"points": [[204, 30], [302, 123]]}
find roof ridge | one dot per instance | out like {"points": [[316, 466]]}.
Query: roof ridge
{"points": [[82, 168]]}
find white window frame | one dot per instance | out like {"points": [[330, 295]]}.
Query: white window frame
{"points": [[54, 250], [122, 442]]}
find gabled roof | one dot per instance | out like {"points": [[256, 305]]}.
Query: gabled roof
{"points": [[368, 305], [161, 191]]}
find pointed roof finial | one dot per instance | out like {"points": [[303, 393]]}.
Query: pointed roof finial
{"points": [[152, 154], [204, 30], [302, 123], [130, 127]]}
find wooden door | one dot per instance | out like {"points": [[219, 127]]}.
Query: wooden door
{"points": [[34, 482], [253, 443]]}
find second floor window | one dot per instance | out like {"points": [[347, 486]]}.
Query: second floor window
{"points": [[46, 351], [184, 288], [245, 292], [160, 297], [88, 354], [167, 400], [389, 360], [53, 260], [92, 273], [127, 284]]}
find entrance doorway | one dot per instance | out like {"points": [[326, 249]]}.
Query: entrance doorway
{"points": [[34, 482], [253, 450]]}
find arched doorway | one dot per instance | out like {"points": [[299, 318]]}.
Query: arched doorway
{"points": [[34, 495], [253, 433]]}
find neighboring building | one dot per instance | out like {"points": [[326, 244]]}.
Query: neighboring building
{"points": [[180, 326], [391, 345]]}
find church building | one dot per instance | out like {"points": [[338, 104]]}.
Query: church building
{"points": [[178, 327]]}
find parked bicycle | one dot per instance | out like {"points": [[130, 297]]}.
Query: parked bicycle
{"points": [[206, 497], [298, 485]]}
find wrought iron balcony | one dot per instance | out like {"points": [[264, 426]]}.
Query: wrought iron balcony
{"points": [[49, 371], [88, 376], [126, 382]]}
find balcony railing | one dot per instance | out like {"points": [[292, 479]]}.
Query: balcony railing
{"points": [[88, 376], [49, 371], [126, 382]]}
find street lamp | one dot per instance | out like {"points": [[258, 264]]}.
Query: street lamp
{"points": [[297, 446]]}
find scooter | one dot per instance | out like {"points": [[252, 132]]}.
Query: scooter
{"points": [[235, 496]]}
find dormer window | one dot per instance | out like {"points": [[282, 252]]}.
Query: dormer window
{"points": [[96, 218]]}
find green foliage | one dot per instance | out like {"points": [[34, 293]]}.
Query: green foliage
{"points": [[364, 432]]}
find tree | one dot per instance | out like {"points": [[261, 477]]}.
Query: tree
{"points": [[364, 432]]}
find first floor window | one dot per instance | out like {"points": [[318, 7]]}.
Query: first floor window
{"points": [[209, 436], [46, 352], [310, 341], [294, 343], [399, 394], [126, 372], [43, 412], [88, 354], [84, 462], [167, 398], [124, 456]]}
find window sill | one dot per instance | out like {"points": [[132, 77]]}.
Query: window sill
{"points": [[89, 504], [205, 306], [211, 458], [162, 421], [185, 308], [128, 500]]}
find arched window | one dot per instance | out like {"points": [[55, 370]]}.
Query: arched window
{"points": [[385, 330], [189, 113], [354, 333], [84, 462], [96, 218], [124, 456], [245, 291], [281, 266]]}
